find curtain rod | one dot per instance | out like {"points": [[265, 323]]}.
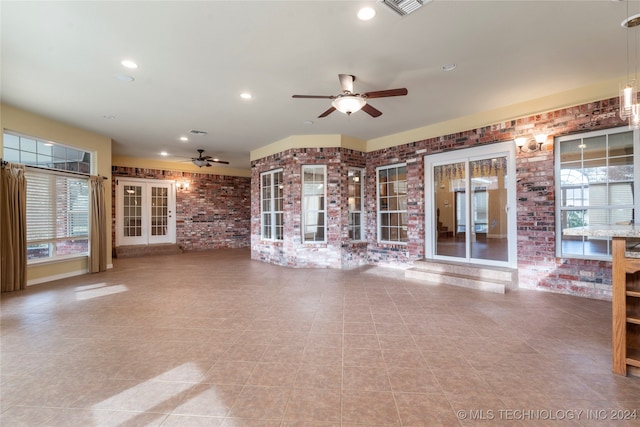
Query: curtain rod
{"points": [[4, 163]]}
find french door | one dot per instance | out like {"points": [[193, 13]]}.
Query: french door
{"points": [[470, 207], [145, 212]]}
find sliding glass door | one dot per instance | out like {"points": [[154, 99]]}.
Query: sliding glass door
{"points": [[470, 204]]}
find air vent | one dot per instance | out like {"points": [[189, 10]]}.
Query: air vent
{"points": [[197, 132], [404, 7]]}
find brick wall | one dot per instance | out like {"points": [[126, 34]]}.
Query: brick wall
{"points": [[214, 212], [538, 266]]}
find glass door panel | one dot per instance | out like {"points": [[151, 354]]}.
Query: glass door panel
{"points": [[450, 183], [159, 211], [488, 231], [132, 206]]}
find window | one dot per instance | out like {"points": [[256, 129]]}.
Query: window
{"points": [[392, 204], [313, 203], [271, 202], [45, 154], [595, 187], [355, 203], [57, 215], [57, 201]]}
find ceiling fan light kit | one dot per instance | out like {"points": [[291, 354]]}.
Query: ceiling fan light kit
{"points": [[348, 103]]}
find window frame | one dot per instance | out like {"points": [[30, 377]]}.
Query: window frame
{"points": [[43, 159], [359, 209], [272, 213], [399, 212], [608, 207], [322, 210]]}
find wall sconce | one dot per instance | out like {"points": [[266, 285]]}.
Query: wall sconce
{"points": [[529, 145], [182, 186]]}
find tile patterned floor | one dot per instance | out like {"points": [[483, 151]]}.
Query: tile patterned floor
{"points": [[215, 339]]}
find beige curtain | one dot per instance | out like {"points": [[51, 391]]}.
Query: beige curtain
{"points": [[13, 228], [97, 226]]}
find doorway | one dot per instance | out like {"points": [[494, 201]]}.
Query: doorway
{"points": [[145, 212], [470, 205]]}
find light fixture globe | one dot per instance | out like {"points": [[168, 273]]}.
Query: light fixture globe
{"points": [[628, 98], [348, 104], [199, 162]]}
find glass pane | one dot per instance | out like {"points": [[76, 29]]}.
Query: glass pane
{"points": [[28, 144], [570, 151], [621, 144], [595, 147], [45, 148], [11, 141], [450, 204], [132, 211], [488, 232], [11, 155], [39, 251]]}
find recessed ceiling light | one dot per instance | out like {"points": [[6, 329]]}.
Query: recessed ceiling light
{"points": [[124, 78], [449, 67], [108, 117], [246, 95], [129, 64], [366, 13], [184, 138], [307, 122], [164, 153]]}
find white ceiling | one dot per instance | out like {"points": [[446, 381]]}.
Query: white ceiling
{"points": [[59, 59]]}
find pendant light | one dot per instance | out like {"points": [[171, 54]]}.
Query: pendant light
{"points": [[629, 108]]}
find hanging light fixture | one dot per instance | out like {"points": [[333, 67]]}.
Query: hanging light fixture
{"points": [[629, 108], [348, 104]]}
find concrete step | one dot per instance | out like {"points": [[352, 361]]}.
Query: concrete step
{"points": [[147, 250], [472, 276]]}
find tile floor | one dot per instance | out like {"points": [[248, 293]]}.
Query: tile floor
{"points": [[215, 339]]}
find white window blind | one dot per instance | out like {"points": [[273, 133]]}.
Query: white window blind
{"points": [[57, 214]]}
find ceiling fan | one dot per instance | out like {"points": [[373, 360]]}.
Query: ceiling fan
{"points": [[348, 102], [201, 160]]}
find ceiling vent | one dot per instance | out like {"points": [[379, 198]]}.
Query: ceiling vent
{"points": [[197, 132], [404, 7]]}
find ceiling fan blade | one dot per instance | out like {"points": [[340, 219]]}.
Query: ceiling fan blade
{"points": [[223, 162], [326, 113], [314, 96], [386, 93], [346, 82], [372, 111]]}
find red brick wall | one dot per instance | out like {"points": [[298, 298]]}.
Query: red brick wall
{"points": [[538, 266], [213, 213]]}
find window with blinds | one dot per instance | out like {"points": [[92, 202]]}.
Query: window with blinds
{"points": [[57, 215], [57, 196], [596, 172]]}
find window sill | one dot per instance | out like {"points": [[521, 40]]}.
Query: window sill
{"points": [[56, 260]]}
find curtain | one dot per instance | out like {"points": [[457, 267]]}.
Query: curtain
{"points": [[13, 228], [97, 225]]}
